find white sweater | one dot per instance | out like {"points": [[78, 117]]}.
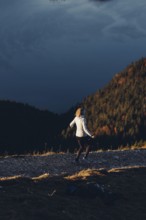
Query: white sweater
{"points": [[81, 128]]}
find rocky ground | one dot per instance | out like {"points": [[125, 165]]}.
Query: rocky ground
{"points": [[57, 164]]}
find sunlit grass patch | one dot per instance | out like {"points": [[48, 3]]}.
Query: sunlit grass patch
{"points": [[84, 174], [10, 178], [45, 153], [41, 177], [51, 153], [143, 147], [124, 169], [35, 153]]}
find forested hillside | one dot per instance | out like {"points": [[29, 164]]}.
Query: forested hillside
{"points": [[117, 113], [25, 129]]}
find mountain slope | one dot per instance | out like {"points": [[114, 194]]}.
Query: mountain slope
{"points": [[120, 108], [117, 113]]}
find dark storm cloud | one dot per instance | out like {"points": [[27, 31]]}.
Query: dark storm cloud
{"points": [[32, 30], [47, 47]]}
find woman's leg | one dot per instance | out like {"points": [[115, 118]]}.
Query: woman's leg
{"points": [[87, 151], [88, 147], [81, 147]]}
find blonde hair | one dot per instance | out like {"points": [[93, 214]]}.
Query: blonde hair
{"points": [[79, 112]]}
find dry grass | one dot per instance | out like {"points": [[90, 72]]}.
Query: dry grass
{"points": [[133, 147], [143, 147], [124, 169], [84, 174], [10, 178], [47, 153], [41, 177], [35, 153]]}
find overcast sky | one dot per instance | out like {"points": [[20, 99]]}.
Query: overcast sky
{"points": [[53, 53]]}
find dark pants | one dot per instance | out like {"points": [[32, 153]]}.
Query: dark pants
{"points": [[83, 142]]}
